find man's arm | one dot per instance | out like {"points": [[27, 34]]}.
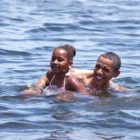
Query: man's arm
{"points": [[116, 87], [80, 74]]}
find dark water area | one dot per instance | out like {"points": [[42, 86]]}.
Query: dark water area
{"points": [[30, 30]]}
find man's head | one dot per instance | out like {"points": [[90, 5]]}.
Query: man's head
{"points": [[114, 57], [107, 67]]}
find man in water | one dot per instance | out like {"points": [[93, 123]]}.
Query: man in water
{"points": [[99, 81]]}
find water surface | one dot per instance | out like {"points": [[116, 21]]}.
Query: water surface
{"points": [[30, 30]]}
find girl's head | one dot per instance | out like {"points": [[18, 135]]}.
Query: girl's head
{"points": [[62, 59], [71, 52]]}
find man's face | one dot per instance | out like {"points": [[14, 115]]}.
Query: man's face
{"points": [[104, 71]]}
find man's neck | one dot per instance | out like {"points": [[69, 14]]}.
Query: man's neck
{"points": [[99, 87]]}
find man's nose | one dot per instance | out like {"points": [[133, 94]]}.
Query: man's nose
{"points": [[100, 71]]}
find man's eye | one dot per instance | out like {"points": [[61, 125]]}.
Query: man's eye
{"points": [[106, 70], [97, 66]]}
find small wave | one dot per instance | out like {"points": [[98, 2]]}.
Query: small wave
{"points": [[131, 114], [109, 136], [12, 53]]}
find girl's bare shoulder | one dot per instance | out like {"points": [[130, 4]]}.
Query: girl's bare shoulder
{"points": [[73, 84], [49, 74], [42, 82]]}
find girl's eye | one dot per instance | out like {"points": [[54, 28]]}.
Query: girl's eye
{"points": [[60, 59], [53, 59]]}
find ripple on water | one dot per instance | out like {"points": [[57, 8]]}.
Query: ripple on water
{"points": [[30, 30]]}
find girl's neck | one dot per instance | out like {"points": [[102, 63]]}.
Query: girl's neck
{"points": [[60, 75]]}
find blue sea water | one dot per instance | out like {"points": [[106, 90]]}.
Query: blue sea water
{"points": [[30, 30]]}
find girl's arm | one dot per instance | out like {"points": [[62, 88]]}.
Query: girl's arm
{"points": [[73, 84], [38, 88]]}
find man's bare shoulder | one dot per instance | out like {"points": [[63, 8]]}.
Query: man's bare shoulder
{"points": [[81, 72]]}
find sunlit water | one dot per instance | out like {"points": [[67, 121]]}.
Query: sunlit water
{"points": [[30, 30]]}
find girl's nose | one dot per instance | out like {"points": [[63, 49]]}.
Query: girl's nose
{"points": [[55, 61]]}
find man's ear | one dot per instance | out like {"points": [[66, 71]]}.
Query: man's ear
{"points": [[116, 73]]}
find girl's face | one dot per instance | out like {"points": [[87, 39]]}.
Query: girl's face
{"points": [[60, 62]]}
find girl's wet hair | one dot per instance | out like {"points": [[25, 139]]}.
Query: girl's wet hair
{"points": [[114, 57], [69, 49]]}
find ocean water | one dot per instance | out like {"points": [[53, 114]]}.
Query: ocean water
{"points": [[30, 30]]}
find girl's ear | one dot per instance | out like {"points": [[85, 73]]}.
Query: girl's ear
{"points": [[70, 64], [116, 73]]}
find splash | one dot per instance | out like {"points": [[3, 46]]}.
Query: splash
{"points": [[52, 90]]}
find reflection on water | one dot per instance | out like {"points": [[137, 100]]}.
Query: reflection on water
{"points": [[29, 31]]}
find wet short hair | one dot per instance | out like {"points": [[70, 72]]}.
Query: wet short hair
{"points": [[69, 49], [114, 57]]}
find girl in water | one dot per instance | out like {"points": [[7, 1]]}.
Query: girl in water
{"points": [[58, 78]]}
